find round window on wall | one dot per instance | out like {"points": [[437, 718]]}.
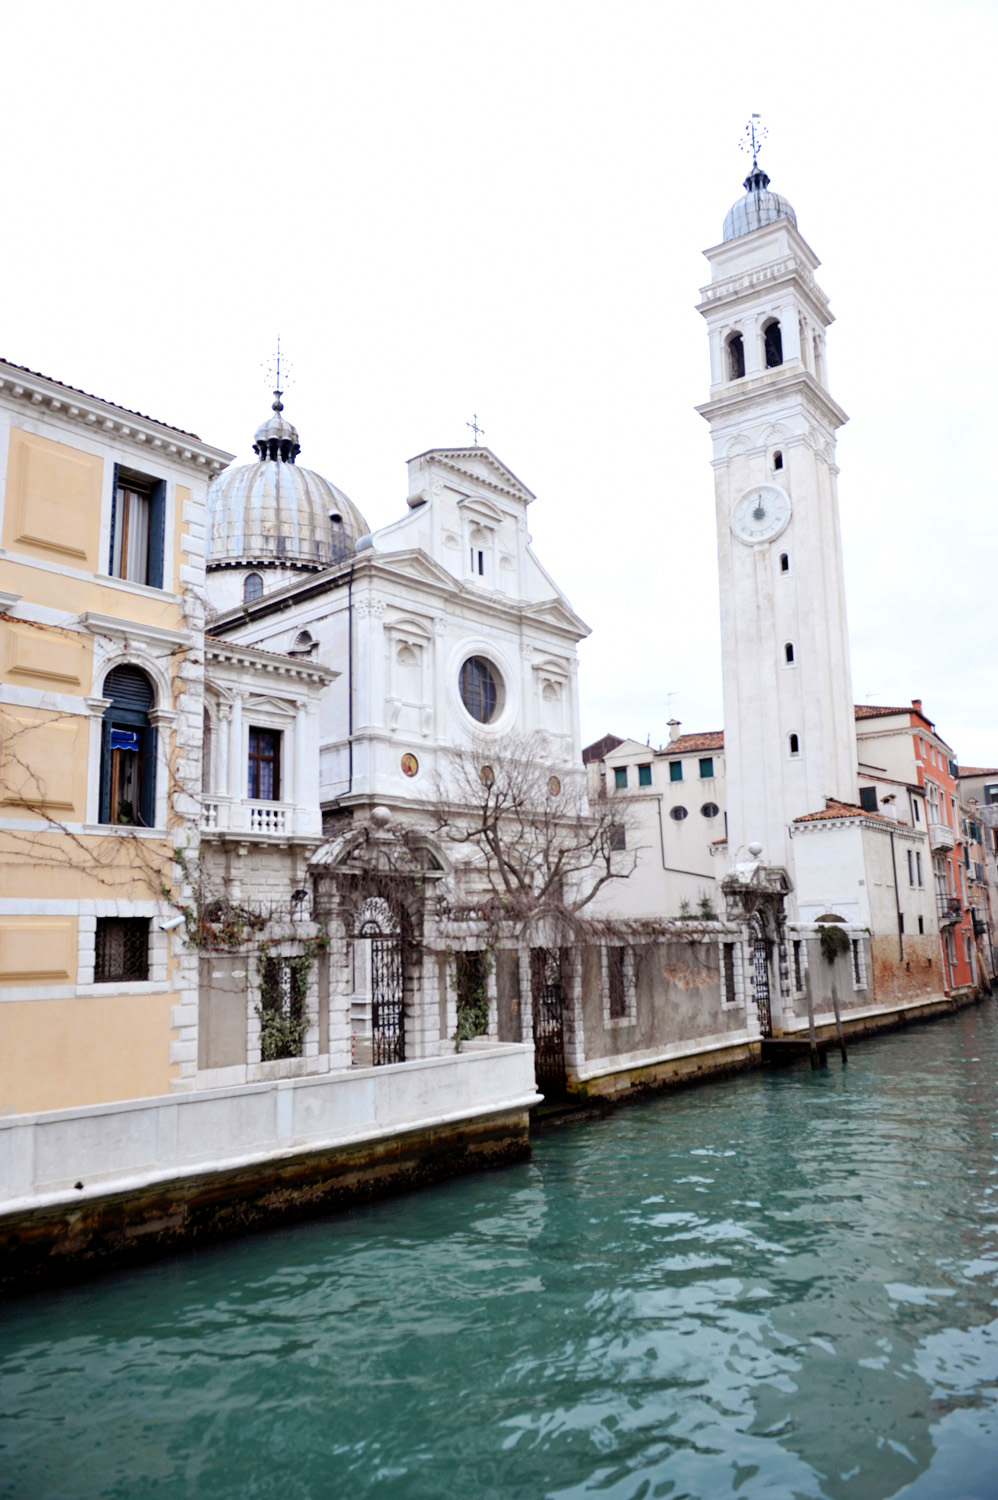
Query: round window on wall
{"points": [[481, 689], [679, 813], [710, 809]]}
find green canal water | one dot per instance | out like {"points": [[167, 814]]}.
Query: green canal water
{"points": [[780, 1285]]}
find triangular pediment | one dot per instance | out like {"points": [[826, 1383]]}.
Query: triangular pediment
{"points": [[414, 565], [558, 613], [265, 704], [478, 466]]}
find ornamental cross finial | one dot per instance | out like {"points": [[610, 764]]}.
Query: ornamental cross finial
{"points": [[753, 136], [473, 424], [273, 368]]}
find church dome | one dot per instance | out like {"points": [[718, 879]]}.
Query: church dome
{"points": [[758, 207], [274, 511]]}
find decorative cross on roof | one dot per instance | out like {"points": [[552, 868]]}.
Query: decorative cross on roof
{"points": [[752, 138], [273, 368], [473, 424]]}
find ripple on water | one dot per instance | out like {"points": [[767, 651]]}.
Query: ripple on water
{"points": [[778, 1285]]}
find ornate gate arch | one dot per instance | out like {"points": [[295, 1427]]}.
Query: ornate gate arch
{"points": [[759, 951], [377, 922]]}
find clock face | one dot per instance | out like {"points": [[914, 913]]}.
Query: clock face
{"points": [[761, 514]]}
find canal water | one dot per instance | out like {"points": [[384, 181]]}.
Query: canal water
{"points": [[779, 1285]]}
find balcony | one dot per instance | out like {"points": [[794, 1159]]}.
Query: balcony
{"points": [[949, 909], [250, 819], [940, 837]]}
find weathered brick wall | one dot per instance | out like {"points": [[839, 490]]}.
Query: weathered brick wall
{"points": [[917, 975]]}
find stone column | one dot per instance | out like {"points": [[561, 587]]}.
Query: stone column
{"points": [[220, 769], [236, 769]]}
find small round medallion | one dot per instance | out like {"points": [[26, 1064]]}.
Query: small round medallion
{"points": [[554, 786], [410, 765], [486, 776]]}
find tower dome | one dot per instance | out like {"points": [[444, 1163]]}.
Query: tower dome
{"points": [[272, 511], [758, 207]]}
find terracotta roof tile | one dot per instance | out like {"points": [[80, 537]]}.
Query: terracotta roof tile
{"points": [[709, 739], [80, 392], [977, 771], [599, 749], [835, 810], [873, 711]]}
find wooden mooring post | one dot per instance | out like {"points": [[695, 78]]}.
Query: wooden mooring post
{"points": [[816, 1057], [838, 1023]]}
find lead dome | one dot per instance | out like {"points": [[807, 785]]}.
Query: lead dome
{"points": [[758, 207], [275, 511]]}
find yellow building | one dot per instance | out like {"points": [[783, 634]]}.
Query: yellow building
{"points": [[101, 713]]}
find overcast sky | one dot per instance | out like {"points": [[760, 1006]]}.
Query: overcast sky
{"points": [[449, 208]]}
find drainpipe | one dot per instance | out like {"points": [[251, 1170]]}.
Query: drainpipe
{"points": [[897, 899], [350, 680]]}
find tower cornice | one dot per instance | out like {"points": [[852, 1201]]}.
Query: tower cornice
{"points": [[745, 286], [737, 399]]}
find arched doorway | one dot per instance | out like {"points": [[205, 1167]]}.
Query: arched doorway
{"points": [[759, 954], [379, 970]]}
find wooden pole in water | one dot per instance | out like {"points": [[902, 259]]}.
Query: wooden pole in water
{"points": [[815, 1058], [838, 1023]]}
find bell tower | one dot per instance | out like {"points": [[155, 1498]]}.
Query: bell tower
{"points": [[790, 740]]}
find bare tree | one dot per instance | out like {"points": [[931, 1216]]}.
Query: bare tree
{"points": [[543, 844]]}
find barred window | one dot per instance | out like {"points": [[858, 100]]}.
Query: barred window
{"points": [[283, 1021], [615, 981], [122, 949], [798, 967], [728, 952]]}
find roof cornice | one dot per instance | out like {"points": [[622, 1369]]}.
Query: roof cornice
{"points": [[43, 395], [271, 661], [739, 397]]}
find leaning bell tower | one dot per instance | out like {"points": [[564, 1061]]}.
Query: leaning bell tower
{"points": [[790, 740]]}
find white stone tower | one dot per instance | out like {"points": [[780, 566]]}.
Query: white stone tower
{"points": [[790, 741]]}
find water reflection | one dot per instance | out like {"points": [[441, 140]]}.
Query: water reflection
{"points": [[779, 1285]]}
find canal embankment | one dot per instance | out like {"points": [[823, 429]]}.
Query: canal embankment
{"points": [[110, 1186]]}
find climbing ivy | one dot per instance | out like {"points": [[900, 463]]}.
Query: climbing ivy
{"points": [[833, 942]]}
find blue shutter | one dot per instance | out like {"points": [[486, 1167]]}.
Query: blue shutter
{"points": [[104, 810], [157, 534], [147, 788], [114, 520]]}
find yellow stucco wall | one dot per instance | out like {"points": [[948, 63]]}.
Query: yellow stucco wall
{"points": [[60, 1054], [43, 763], [45, 657], [53, 500], [38, 949], [182, 494], [85, 867]]}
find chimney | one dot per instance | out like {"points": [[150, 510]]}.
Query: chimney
{"points": [[916, 704], [674, 729]]}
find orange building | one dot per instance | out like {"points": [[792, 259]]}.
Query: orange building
{"points": [[900, 749]]}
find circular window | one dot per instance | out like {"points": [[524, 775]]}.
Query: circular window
{"points": [[481, 689], [710, 809], [554, 786], [679, 813]]}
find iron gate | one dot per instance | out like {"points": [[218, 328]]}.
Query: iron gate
{"points": [[760, 977], [548, 997], [387, 1001]]}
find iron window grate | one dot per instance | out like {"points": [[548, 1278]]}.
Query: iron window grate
{"points": [[121, 949]]}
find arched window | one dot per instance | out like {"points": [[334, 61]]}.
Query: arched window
{"points": [[788, 652], [253, 587], [128, 750], [793, 744], [784, 562], [773, 344], [736, 357], [777, 459]]}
